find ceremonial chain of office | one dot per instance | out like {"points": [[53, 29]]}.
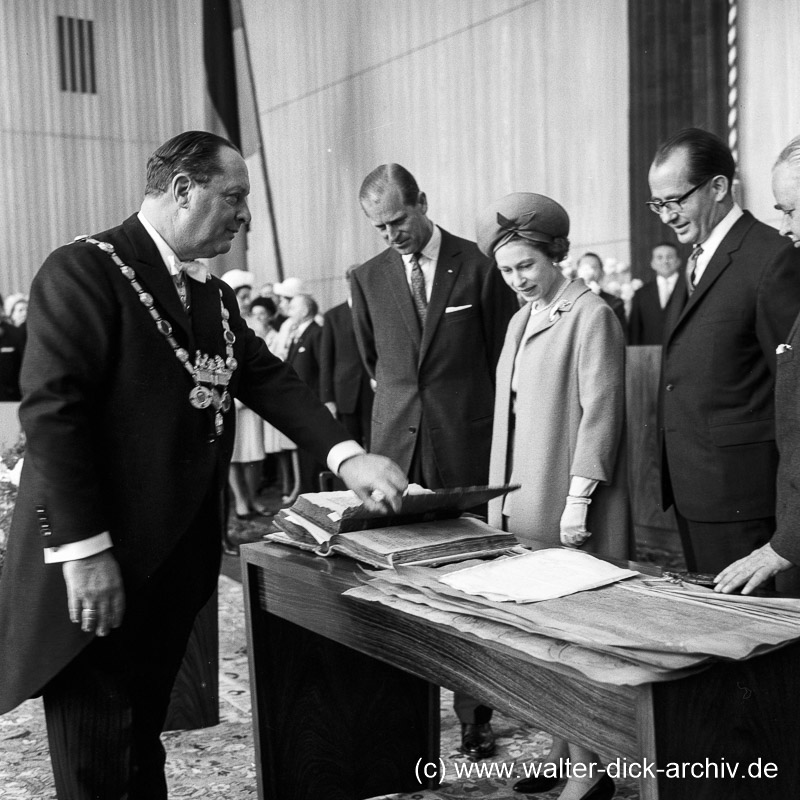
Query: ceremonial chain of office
{"points": [[206, 369]]}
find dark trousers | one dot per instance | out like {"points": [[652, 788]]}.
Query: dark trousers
{"points": [[711, 546], [106, 709]]}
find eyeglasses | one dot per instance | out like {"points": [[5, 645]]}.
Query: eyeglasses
{"points": [[676, 205]]}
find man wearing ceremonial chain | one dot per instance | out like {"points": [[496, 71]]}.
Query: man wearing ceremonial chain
{"points": [[134, 354]]}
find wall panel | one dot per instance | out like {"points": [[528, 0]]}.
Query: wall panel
{"points": [[769, 67], [476, 98], [77, 160]]}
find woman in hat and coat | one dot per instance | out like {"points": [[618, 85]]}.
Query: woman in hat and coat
{"points": [[559, 416]]}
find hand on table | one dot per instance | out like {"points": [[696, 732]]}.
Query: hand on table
{"points": [[377, 480], [751, 571], [95, 595]]}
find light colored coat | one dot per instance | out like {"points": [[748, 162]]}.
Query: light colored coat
{"points": [[569, 420]]}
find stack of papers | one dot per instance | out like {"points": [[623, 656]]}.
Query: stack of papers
{"points": [[532, 577]]}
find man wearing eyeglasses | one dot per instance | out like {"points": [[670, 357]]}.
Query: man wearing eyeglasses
{"points": [[739, 296]]}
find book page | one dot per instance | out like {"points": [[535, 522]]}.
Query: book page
{"points": [[320, 535], [399, 538], [541, 575]]}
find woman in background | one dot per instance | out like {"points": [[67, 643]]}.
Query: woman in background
{"points": [[277, 446], [559, 414], [244, 476]]}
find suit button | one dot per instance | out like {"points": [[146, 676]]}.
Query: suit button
{"points": [[670, 387], [412, 430]]}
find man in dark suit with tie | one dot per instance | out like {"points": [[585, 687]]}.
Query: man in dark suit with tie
{"points": [[649, 304], [716, 413], [344, 382], [127, 404], [430, 315], [782, 552], [304, 354]]}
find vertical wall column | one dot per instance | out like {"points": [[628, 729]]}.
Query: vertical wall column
{"points": [[678, 78]]}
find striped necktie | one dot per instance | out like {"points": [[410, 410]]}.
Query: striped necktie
{"points": [[418, 290], [691, 268]]}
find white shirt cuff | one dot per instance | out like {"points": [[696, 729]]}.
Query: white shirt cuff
{"points": [[75, 550], [339, 453]]}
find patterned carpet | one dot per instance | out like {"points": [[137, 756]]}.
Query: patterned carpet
{"points": [[217, 763]]}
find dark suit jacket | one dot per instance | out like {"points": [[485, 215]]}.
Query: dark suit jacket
{"points": [[617, 306], [112, 441], [443, 377], [716, 413], [12, 347], [646, 323], [343, 379], [304, 356], [786, 541]]}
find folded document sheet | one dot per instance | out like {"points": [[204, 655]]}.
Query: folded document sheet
{"points": [[532, 577]]}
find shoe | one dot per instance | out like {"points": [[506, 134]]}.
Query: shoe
{"points": [[477, 740], [537, 783], [604, 789], [229, 546], [255, 513]]}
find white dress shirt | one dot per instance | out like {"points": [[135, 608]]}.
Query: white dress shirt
{"points": [[666, 286]]}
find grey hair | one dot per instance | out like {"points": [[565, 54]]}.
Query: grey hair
{"points": [[790, 154]]}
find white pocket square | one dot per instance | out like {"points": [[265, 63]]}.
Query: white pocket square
{"points": [[301, 349], [451, 309]]}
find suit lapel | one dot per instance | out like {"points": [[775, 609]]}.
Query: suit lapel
{"points": [[448, 266], [720, 261], [396, 286], [206, 318]]}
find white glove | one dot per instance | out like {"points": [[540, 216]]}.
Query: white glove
{"points": [[573, 521]]}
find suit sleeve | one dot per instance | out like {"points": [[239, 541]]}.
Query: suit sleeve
{"points": [[778, 301], [69, 348], [362, 325], [327, 359], [499, 304], [273, 389]]}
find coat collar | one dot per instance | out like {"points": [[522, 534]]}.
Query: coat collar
{"points": [[546, 319]]}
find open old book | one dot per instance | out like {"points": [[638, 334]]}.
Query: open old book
{"points": [[427, 529]]}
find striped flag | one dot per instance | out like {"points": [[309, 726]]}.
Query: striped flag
{"points": [[232, 111]]}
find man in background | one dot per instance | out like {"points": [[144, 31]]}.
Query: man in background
{"points": [[12, 346], [344, 382], [303, 354], [134, 355], [590, 271], [430, 315], [649, 304], [716, 412]]}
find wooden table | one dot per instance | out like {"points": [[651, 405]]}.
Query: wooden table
{"points": [[346, 700]]}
